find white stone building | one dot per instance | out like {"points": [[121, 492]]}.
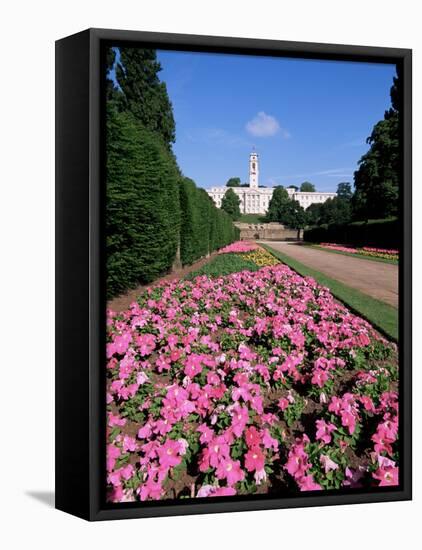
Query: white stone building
{"points": [[255, 199]]}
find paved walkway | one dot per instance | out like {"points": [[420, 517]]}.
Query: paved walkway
{"points": [[377, 279]]}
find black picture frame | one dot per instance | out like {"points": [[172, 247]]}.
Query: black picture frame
{"points": [[80, 297]]}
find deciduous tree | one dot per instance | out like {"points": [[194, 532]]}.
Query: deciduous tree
{"points": [[231, 204]]}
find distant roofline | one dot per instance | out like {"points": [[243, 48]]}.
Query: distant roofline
{"points": [[274, 187]]}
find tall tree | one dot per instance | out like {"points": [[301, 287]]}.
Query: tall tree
{"points": [[233, 182], [307, 187], [377, 178], [143, 94], [231, 204], [336, 210], [295, 216], [278, 205], [314, 213], [344, 190]]}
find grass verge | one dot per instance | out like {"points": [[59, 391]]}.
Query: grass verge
{"points": [[224, 264], [382, 260], [383, 316]]}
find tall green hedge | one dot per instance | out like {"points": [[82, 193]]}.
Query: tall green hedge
{"points": [[151, 210], [142, 204], [376, 233], [204, 227]]}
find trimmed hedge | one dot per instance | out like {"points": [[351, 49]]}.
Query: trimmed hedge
{"points": [[142, 205], [151, 210], [204, 227], [376, 233]]}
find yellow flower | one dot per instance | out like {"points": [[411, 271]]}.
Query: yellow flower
{"points": [[261, 257]]}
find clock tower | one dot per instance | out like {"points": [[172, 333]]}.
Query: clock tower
{"points": [[253, 170]]}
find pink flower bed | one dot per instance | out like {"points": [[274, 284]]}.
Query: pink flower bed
{"points": [[340, 248], [238, 247], [389, 254], [249, 383]]}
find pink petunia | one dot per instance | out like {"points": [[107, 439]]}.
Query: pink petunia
{"points": [[254, 459], [328, 463], [324, 431], [307, 483], [283, 403], [230, 470], [252, 437], [240, 419], [387, 475], [169, 453]]}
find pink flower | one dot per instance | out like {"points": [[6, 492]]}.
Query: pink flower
{"points": [[193, 365], [254, 459], [218, 450], [283, 403], [348, 420], [121, 343], [353, 477], [269, 441], [387, 475], [223, 492], [319, 377], [150, 489], [168, 453], [367, 403], [129, 443], [252, 437], [297, 463], [260, 476], [212, 491], [113, 453], [145, 431], [240, 419], [324, 430], [327, 463], [206, 433], [230, 470], [115, 420], [307, 483]]}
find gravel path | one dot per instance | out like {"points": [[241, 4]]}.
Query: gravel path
{"points": [[377, 279]]}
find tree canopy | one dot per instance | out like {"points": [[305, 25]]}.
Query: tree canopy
{"points": [[233, 182], [307, 187], [337, 210], [377, 178], [140, 91], [231, 204], [283, 209]]}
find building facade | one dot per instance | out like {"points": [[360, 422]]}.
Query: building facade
{"points": [[255, 199]]}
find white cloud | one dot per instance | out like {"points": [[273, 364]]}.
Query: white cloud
{"points": [[263, 125]]}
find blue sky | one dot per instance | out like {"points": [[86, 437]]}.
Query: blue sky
{"points": [[308, 120]]}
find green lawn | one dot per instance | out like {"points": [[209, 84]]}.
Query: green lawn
{"points": [[252, 218], [382, 260], [224, 264], [383, 316]]}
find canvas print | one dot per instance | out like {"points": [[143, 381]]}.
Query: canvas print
{"points": [[252, 223]]}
